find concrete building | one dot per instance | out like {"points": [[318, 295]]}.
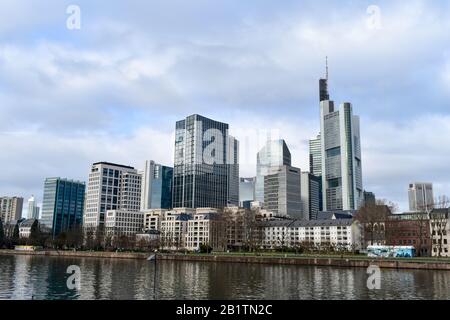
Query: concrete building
{"points": [[315, 156], [63, 204], [310, 195], [10, 208], [440, 232], [123, 223], [33, 209], [156, 186], [282, 192], [420, 196], [111, 187], [26, 227], [153, 218], [201, 172], [207, 227], [174, 228]]}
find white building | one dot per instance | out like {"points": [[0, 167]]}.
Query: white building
{"points": [[110, 187], [174, 226], [153, 218], [33, 209], [123, 222], [206, 228], [26, 226], [341, 234], [440, 232], [420, 196]]}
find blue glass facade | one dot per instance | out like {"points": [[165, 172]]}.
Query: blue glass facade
{"points": [[162, 187], [63, 204]]}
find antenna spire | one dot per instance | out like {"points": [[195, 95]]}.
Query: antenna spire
{"points": [[326, 67]]}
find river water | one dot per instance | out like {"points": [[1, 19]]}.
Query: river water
{"points": [[32, 277]]}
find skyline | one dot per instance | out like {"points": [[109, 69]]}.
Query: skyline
{"points": [[74, 97]]}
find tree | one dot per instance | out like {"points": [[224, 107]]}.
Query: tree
{"points": [[373, 218], [35, 233], [2, 234]]}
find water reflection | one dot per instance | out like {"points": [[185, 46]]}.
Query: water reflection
{"points": [[27, 277]]}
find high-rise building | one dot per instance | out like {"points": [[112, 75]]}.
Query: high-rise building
{"points": [[10, 208], [246, 191], [33, 209], [282, 192], [420, 196], [342, 187], [310, 194], [111, 187], [233, 171], [341, 158], [369, 198], [315, 156], [272, 156], [63, 204], [156, 186], [201, 168]]}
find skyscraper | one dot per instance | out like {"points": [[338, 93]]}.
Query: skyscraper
{"points": [[201, 170], [233, 171], [282, 192], [63, 203], [315, 156], [272, 156], [310, 195], [420, 196], [342, 187], [33, 209], [156, 186], [341, 158], [111, 187], [246, 191], [10, 208]]}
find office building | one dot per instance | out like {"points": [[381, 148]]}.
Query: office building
{"points": [[62, 205], [201, 173], [233, 171], [10, 208], [282, 192], [153, 218], [156, 186], [33, 209], [272, 156], [420, 196], [123, 223], [246, 191], [207, 227], [315, 156], [174, 226], [111, 187], [310, 195], [369, 198], [341, 158]]}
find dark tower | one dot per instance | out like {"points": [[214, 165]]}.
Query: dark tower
{"points": [[323, 86]]}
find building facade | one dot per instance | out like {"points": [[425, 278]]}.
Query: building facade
{"points": [[342, 187], [207, 228], [123, 223], [420, 196], [156, 186], [440, 232], [33, 209], [201, 173], [282, 192], [63, 204], [233, 171], [246, 191], [174, 227], [315, 156], [110, 187], [10, 208], [310, 195], [272, 156]]}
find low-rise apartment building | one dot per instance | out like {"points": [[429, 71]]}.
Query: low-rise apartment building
{"points": [[123, 223]]}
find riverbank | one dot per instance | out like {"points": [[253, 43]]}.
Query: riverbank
{"points": [[265, 258]]}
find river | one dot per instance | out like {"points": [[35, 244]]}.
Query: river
{"points": [[35, 277]]}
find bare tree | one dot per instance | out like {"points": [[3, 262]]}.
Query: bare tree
{"points": [[373, 218]]}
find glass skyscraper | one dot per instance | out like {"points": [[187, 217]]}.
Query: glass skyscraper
{"points": [[156, 186], [272, 156], [62, 207], [201, 170]]}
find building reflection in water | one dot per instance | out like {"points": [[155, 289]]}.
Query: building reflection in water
{"points": [[25, 277]]}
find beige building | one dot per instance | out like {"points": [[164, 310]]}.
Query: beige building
{"points": [[207, 227], [10, 208], [440, 232]]}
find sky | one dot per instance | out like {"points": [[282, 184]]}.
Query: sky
{"points": [[112, 89]]}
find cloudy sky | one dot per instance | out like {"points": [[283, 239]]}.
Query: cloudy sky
{"points": [[113, 89]]}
